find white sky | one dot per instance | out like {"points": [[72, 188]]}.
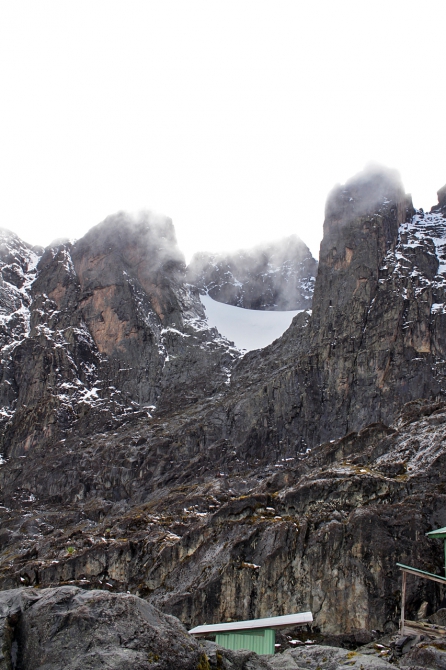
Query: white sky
{"points": [[233, 117]]}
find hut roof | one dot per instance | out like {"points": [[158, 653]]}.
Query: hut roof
{"points": [[286, 621], [440, 532]]}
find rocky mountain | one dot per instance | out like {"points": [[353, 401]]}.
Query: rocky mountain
{"points": [[142, 452], [101, 333], [275, 276]]}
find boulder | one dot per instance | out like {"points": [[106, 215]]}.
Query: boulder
{"points": [[318, 657], [74, 629], [429, 654]]}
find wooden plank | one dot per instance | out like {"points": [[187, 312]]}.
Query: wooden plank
{"points": [[403, 600], [417, 627], [422, 573]]}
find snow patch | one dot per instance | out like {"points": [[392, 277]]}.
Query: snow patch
{"points": [[248, 328], [438, 308], [173, 330]]}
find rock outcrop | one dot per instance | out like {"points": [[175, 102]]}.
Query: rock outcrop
{"points": [[318, 657], [275, 276], [143, 453], [429, 654]]}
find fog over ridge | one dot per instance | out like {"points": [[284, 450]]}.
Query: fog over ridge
{"points": [[276, 276]]}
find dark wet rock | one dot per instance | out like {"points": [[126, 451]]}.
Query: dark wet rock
{"points": [[374, 341], [439, 618], [274, 276], [317, 657], [429, 654], [352, 640], [405, 643], [226, 659]]}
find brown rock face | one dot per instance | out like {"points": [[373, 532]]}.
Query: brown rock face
{"points": [[361, 225]]}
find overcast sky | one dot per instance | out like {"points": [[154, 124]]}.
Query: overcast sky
{"points": [[234, 118]]}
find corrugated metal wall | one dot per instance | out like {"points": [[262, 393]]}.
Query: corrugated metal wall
{"points": [[260, 640]]}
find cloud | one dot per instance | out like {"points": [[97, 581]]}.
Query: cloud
{"points": [[364, 192]]}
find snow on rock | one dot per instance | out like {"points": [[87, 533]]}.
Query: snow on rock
{"points": [[418, 262], [18, 269]]}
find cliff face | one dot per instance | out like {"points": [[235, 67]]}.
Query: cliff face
{"points": [[112, 325], [275, 276], [374, 339], [144, 453], [377, 320], [18, 263]]}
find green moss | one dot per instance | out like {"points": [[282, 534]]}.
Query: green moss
{"points": [[203, 663]]}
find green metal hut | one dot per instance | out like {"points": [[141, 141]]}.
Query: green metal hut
{"points": [[440, 533], [257, 635]]}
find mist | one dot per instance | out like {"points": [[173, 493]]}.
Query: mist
{"points": [[278, 276], [155, 234]]}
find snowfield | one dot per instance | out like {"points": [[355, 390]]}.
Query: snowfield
{"points": [[247, 328]]}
